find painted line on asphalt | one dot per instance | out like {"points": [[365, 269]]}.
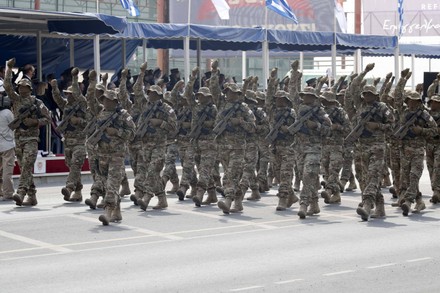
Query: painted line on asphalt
{"points": [[31, 241], [382, 266], [419, 259], [288, 281], [246, 288], [338, 273]]}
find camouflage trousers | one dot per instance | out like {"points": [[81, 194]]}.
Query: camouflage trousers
{"points": [[108, 176], [92, 156], [135, 151], [205, 158], [231, 158], [332, 161], [309, 166], [26, 152], [274, 167], [357, 157], [74, 155], [373, 160], [172, 153], [148, 179], [411, 169], [347, 164], [248, 178], [7, 163], [216, 172], [433, 163], [263, 161], [299, 162], [186, 152], [285, 157], [395, 163]]}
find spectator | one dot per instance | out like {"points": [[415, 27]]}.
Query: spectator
{"points": [[7, 149]]}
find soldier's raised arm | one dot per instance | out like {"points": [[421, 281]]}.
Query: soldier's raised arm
{"points": [[214, 85], [294, 85], [92, 102], [123, 94], [57, 95], [9, 87], [356, 86], [189, 89], [433, 87], [271, 90], [385, 83], [399, 90]]}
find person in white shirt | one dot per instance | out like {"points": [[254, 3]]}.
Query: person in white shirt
{"points": [[7, 149]]}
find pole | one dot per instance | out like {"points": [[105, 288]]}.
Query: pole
{"points": [[39, 57], [334, 48], [144, 51], [265, 51], [72, 52], [301, 66], [96, 55], [396, 63], [124, 53], [243, 65], [413, 69], [186, 44]]}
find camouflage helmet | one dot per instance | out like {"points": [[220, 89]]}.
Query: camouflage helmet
{"points": [[413, 95], [25, 82], [167, 98], [329, 96], [233, 87], [370, 89], [68, 90], [434, 99], [308, 91], [284, 95], [250, 96], [204, 91], [261, 96], [155, 88], [110, 95]]}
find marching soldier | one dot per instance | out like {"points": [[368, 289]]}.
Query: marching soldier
{"points": [[433, 150]]}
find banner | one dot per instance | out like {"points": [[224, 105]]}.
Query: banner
{"points": [[313, 15]]}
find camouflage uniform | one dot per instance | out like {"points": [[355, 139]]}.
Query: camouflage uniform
{"points": [[26, 136], [262, 124], [433, 155]]}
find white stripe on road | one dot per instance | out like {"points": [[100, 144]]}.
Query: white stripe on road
{"points": [[338, 273], [419, 259], [246, 288], [34, 242], [382, 266], [288, 281]]}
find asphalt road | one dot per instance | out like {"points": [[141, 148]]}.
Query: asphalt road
{"points": [[62, 247]]}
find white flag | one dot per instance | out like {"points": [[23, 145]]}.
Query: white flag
{"points": [[222, 8]]}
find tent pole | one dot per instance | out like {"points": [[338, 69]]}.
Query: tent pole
{"points": [[96, 55], [72, 52], [396, 63], [265, 51], [144, 50], [413, 69], [301, 66], [39, 57], [333, 65], [243, 65], [199, 58], [186, 57], [124, 53]]}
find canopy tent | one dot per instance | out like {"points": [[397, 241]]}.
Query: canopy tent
{"points": [[416, 50]]}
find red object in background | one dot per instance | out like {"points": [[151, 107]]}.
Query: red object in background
{"points": [[54, 165]]}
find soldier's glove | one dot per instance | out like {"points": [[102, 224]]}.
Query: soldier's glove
{"points": [[92, 75], [10, 63], [311, 124], [417, 130], [284, 129], [54, 83], [156, 122], [408, 75], [372, 126], [104, 78], [179, 85], [111, 131], [144, 66], [30, 122], [295, 65], [274, 72], [236, 121], [369, 67], [195, 72], [75, 71], [124, 73], [404, 72], [75, 120]]}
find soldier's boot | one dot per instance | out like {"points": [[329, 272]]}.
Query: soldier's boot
{"points": [[198, 198], [66, 192], [108, 210], [435, 198], [326, 195], [263, 186], [181, 192], [282, 203], [255, 195], [386, 181], [365, 210], [125, 188], [302, 211], [379, 212], [291, 199], [238, 204], [101, 204], [323, 183], [91, 202], [212, 196], [313, 208], [136, 196], [116, 215], [220, 190], [161, 203], [175, 187], [406, 207], [352, 186], [399, 202], [31, 200], [18, 198], [225, 205], [297, 183], [393, 191], [336, 197], [144, 201], [76, 196], [420, 205]]}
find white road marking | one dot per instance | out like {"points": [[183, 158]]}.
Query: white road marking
{"points": [[419, 259], [382, 266], [246, 288], [288, 281], [34, 242], [338, 273]]}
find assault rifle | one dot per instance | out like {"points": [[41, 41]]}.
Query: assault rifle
{"points": [[147, 116], [273, 134], [181, 118], [65, 123], [197, 130], [90, 127], [405, 128], [360, 127], [20, 118], [223, 124], [99, 133], [296, 127]]}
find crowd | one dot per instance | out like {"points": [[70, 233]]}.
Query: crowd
{"points": [[283, 135]]}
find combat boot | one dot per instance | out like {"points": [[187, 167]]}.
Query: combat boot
{"points": [[225, 205], [238, 204], [263, 186], [136, 196], [66, 191], [197, 199], [212, 196], [420, 205], [379, 212], [255, 195], [365, 210], [282, 203], [101, 204], [393, 191], [220, 190], [91, 202], [336, 197], [116, 215], [326, 195], [406, 208], [302, 211], [313, 208], [31, 200], [352, 186], [323, 183], [161, 203], [76, 196], [181, 192], [435, 198], [296, 185], [144, 201], [108, 210], [18, 198], [399, 202], [125, 189], [291, 199]]}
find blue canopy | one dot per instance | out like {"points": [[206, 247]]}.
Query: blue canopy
{"points": [[419, 50], [92, 24]]}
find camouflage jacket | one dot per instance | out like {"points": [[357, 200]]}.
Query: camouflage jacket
{"points": [[308, 138], [428, 124], [338, 117], [435, 139], [383, 116], [289, 116], [261, 125]]}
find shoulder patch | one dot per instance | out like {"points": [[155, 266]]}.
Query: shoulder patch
{"points": [[250, 112], [171, 110], [129, 118]]}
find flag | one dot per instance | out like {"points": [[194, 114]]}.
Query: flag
{"points": [[282, 8], [222, 8], [400, 11], [131, 8]]}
